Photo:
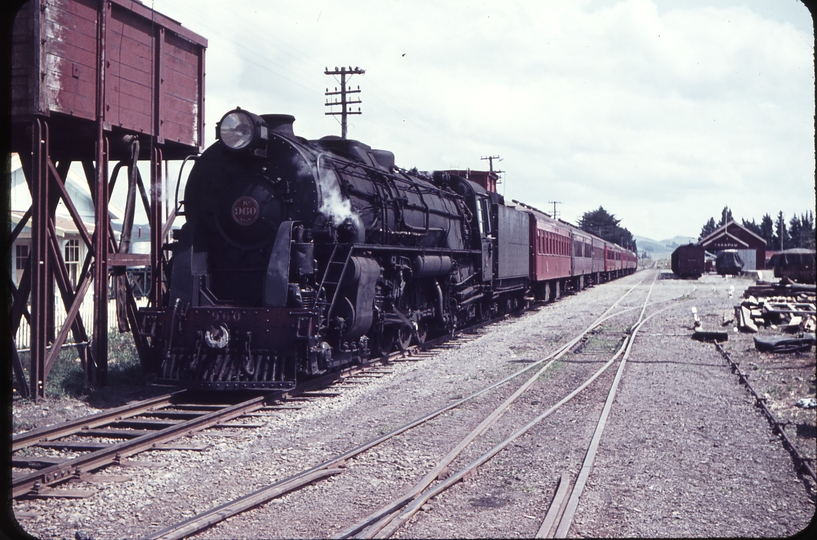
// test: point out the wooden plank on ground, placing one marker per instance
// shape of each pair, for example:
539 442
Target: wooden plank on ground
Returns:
746 318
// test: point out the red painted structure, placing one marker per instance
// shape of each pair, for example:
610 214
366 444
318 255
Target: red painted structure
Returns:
551 248
732 235
487 179
94 81
564 256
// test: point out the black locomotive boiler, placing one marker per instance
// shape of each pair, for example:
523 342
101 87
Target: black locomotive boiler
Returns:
298 256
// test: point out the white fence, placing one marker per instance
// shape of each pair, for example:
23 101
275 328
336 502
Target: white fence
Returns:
86 311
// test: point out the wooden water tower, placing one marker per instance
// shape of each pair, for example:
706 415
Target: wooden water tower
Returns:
97 82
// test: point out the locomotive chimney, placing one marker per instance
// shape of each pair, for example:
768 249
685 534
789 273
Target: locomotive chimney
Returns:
280 124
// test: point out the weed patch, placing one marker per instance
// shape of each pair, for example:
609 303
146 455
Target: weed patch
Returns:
67 379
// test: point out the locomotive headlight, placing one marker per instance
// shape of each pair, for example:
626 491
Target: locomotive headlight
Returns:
240 129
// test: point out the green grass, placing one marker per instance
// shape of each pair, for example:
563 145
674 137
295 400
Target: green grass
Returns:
67 377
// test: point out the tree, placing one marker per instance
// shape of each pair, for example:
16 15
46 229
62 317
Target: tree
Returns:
605 225
801 231
708 228
807 232
767 231
726 216
793 234
752 226
599 222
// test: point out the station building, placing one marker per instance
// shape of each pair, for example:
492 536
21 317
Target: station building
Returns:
732 235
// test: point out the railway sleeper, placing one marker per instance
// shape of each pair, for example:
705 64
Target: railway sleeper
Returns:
44 492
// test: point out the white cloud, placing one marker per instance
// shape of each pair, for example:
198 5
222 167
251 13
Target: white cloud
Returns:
661 112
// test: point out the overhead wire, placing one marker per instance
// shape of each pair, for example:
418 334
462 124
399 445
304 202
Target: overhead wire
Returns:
405 114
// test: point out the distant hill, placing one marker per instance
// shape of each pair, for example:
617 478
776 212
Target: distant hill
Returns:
661 249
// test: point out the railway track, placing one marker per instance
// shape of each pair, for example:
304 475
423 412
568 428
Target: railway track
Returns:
390 517
146 425
443 442
113 436
342 464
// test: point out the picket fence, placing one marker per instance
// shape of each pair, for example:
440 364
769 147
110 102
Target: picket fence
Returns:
86 311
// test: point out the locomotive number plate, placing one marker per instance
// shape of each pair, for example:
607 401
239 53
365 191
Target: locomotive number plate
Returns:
245 210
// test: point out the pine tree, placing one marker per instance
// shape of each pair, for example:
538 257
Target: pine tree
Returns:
752 226
807 233
726 216
801 231
793 234
708 228
767 231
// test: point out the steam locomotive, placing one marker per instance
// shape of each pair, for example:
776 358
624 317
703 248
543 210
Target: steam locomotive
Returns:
300 256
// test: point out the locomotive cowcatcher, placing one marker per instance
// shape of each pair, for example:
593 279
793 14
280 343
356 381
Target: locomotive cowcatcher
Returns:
298 256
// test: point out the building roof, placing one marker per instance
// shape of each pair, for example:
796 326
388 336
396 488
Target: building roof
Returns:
722 231
75 185
63 224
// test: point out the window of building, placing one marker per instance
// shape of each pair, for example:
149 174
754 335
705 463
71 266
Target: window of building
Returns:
21 256
72 251
72 260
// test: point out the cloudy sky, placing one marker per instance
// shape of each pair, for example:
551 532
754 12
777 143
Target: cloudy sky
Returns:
662 112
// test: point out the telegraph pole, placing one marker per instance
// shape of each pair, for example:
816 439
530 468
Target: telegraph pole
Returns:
781 227
491 168
491 162
343 93
554 203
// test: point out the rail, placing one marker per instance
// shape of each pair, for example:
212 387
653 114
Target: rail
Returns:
66 470
210 517
801 462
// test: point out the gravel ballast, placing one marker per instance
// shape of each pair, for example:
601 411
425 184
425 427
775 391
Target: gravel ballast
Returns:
685 452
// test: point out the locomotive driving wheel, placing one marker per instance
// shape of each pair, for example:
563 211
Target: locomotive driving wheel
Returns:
422 332
383 343
394 335
403 337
